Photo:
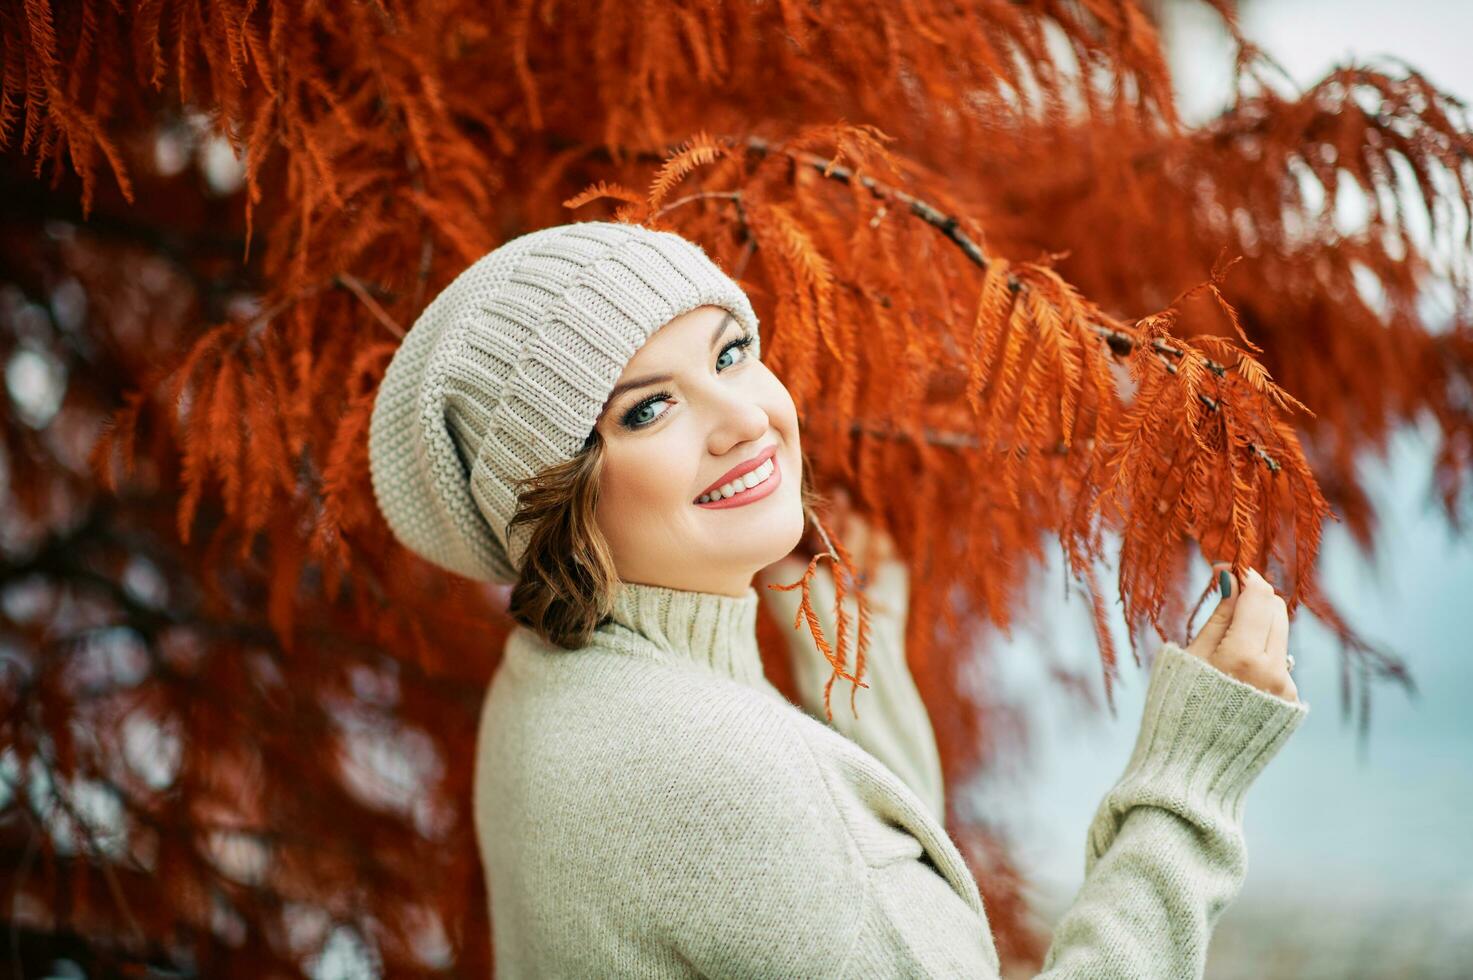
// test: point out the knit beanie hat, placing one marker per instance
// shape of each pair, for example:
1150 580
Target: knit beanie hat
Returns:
507 370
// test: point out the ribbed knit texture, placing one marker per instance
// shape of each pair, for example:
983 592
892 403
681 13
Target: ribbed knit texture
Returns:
650 806
506 371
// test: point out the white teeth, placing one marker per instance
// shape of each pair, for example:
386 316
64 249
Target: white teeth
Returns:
740 484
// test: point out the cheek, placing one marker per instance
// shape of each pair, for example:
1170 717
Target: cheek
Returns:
637 482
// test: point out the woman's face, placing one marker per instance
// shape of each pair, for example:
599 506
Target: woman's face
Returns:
698 405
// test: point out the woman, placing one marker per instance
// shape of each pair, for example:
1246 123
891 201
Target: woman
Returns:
583 414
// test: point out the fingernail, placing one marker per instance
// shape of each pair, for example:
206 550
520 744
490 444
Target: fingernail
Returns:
1225 583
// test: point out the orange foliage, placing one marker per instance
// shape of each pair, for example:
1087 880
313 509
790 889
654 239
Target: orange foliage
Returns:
968 293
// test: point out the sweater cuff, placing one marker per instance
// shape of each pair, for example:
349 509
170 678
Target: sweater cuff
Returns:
1204 737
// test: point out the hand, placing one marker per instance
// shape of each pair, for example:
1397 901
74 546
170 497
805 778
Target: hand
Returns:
1247 636
871 548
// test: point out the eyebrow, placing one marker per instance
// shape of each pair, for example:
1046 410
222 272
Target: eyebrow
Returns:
651 379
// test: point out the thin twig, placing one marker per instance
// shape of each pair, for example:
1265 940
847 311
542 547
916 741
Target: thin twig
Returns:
964 440
727 195
951 440
354 284
427 243
254 326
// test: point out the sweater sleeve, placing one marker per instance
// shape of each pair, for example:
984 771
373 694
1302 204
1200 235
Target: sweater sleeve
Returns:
892 724
1165 851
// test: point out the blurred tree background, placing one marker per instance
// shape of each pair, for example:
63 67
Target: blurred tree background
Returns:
988 252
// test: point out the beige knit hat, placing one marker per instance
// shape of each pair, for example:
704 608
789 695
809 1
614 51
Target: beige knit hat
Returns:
506 371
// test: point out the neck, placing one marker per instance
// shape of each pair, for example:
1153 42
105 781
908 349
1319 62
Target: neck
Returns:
714 631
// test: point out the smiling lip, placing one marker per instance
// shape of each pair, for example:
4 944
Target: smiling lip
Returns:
740 499
740 469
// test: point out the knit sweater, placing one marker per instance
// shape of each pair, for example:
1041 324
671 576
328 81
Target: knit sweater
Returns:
651 806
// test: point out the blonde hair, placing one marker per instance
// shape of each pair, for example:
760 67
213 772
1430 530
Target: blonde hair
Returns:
567 580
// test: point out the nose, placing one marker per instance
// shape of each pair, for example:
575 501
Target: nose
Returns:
736 418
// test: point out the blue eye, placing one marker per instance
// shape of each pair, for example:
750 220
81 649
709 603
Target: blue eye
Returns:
631 418
742 343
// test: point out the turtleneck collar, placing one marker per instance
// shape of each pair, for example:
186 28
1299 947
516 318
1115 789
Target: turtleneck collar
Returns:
714 631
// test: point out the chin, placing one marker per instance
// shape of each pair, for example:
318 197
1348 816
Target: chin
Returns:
776 539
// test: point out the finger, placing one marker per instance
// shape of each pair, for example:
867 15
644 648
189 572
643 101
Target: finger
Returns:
1210 635
876 548
1247 634
840 510
884 544
1290 692
888 592
858 541
1277 646
857 536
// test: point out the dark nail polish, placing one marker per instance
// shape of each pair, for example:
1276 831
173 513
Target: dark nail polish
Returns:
1225 583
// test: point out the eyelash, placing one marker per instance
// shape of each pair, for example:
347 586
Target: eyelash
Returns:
742 342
